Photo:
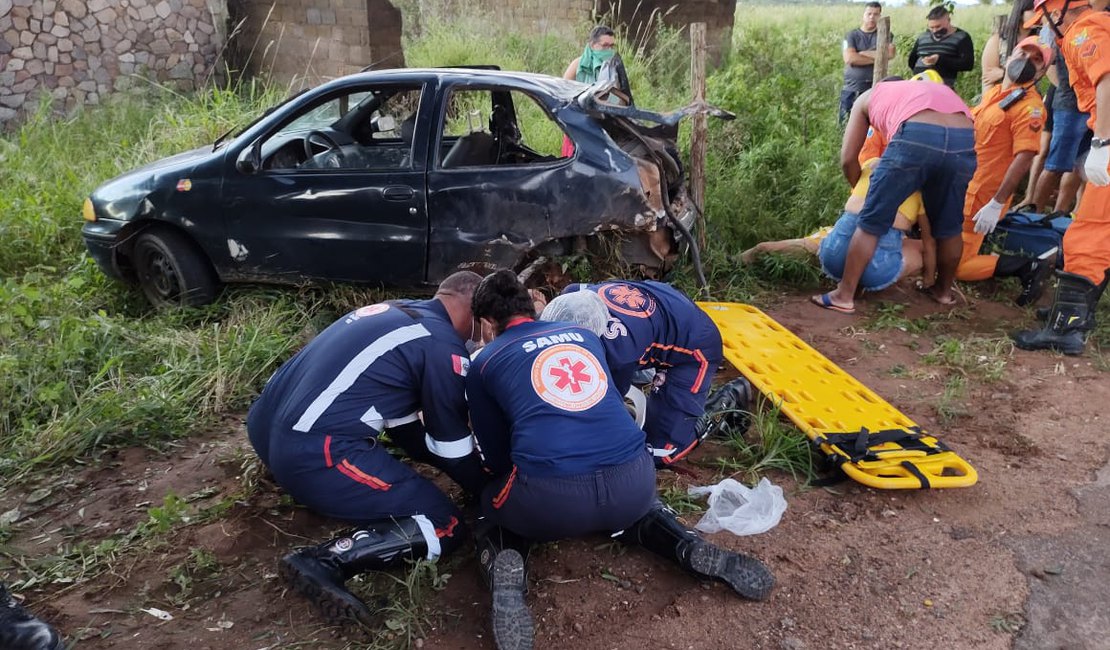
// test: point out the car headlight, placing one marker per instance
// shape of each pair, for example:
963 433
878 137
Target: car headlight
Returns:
87 211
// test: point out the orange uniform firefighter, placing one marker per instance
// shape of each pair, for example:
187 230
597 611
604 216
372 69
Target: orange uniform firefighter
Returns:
1082 28
1008 125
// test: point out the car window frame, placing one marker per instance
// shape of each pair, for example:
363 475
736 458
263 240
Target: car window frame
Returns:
419 85
440 120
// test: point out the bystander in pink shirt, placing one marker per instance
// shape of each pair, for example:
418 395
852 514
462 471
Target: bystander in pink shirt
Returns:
895 102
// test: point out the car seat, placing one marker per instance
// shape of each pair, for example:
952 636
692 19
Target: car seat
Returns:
472 150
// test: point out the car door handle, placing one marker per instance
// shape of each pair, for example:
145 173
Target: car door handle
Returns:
398 193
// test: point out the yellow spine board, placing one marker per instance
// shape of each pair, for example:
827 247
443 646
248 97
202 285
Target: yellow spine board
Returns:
822 399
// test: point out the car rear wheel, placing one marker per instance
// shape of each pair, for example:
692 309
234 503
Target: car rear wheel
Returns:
171 271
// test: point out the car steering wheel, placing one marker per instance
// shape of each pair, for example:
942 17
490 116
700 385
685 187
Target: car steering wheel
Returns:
331 144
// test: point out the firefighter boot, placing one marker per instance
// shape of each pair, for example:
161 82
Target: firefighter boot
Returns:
1043 312
503 567
319 572
1068 322
660 532
728 405
1032 271
19 630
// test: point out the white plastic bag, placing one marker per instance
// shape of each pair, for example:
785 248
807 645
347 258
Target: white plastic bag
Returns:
740 509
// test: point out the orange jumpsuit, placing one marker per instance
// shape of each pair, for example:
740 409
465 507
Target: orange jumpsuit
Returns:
1000 135
1086 49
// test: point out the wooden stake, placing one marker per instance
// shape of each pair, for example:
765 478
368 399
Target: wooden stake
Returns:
698 136
882 51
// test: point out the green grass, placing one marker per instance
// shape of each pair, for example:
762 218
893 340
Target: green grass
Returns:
84 365
770 444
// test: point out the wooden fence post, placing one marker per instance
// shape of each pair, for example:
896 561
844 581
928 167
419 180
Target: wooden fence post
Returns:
698 136
882 51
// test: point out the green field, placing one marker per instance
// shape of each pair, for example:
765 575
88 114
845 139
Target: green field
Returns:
85 364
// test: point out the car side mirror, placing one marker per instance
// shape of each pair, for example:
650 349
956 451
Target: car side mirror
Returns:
250 161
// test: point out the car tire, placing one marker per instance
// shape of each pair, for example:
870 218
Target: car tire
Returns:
171 271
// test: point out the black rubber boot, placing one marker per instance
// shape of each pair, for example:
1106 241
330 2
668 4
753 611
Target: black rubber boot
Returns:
1068 322
1032 271
728 405
319 573
662 533
1043 312
502 556
19 630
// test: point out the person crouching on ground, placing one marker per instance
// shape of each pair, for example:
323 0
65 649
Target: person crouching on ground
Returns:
932 149
569 461
1008 125
317 426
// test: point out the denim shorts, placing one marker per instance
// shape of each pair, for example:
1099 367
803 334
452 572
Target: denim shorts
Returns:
883 269
937 160
1070 140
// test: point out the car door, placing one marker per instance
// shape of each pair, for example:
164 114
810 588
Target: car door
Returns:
336 190
498 177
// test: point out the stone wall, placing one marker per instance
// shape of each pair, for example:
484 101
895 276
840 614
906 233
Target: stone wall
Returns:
304 42
78 51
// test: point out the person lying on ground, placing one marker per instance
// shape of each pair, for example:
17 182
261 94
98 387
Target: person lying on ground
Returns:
569 462
1008 125
897 256
932 150
317 426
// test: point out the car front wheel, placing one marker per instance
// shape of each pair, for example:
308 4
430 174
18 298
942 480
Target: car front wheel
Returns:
171 271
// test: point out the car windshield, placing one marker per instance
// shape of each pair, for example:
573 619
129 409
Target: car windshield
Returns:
220 141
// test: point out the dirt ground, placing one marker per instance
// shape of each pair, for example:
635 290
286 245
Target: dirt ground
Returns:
1020 560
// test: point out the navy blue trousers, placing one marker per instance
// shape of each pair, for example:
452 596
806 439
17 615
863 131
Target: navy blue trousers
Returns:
545 508
355 480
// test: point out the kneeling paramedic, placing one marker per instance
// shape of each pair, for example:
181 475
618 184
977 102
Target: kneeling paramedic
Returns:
569 461
652 325
317 423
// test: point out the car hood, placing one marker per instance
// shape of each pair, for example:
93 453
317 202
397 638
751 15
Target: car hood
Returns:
122 197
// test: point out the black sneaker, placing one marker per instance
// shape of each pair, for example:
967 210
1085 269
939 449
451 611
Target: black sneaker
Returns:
19 630
323 585
746 575
512 622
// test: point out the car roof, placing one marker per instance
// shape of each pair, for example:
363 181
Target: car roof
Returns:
547 84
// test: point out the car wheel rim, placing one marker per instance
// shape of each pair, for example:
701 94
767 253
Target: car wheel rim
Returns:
161 276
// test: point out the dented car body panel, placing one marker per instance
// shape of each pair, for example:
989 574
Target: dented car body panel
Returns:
327 186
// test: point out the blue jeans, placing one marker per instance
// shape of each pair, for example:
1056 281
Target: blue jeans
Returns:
937 160
885 266
1070 140
847 98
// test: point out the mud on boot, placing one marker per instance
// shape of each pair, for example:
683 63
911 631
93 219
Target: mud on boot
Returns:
324 586
20 630
746 575
512 621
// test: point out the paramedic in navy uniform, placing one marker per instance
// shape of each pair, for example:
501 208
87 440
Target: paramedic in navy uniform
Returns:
569 460
653 325
316 427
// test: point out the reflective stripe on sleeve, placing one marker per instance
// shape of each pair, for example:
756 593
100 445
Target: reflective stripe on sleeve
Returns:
350 373
451 448
428 531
